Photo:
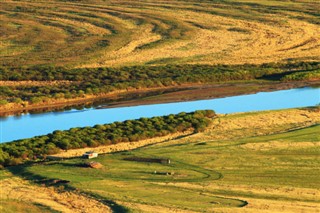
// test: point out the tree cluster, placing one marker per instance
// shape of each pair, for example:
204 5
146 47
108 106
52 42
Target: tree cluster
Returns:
31 149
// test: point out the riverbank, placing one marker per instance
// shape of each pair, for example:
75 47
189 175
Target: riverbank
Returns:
133 97
224 126
45 123
205 92
227 147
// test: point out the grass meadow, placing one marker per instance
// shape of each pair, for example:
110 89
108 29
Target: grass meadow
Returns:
243 172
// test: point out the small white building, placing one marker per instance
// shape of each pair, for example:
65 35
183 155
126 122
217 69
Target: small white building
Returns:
90 155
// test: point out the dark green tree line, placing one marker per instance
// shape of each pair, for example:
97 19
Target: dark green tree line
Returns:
30 149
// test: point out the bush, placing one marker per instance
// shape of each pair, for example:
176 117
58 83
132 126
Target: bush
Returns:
3 102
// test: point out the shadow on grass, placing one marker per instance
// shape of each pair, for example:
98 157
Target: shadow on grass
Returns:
280 76
22 172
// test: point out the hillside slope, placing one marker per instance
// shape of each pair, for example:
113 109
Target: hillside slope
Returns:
112 33
246 162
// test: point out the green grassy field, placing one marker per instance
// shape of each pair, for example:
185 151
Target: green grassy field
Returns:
225 175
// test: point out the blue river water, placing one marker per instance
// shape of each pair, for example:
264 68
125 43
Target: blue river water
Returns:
29 125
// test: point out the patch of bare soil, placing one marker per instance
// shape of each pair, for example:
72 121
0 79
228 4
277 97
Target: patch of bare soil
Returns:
68 202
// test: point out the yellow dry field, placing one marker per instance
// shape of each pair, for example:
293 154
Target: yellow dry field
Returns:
244 125
18 190
119 147
116 33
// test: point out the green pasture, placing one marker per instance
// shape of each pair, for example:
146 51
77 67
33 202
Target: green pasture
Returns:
279 160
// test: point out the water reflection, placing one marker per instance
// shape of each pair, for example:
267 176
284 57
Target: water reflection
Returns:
29 125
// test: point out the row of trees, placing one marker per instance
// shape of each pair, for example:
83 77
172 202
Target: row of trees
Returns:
137 73
17 152
105 80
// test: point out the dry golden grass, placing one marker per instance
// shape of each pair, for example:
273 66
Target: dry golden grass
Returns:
116 33
274 145
263 43
243 125
33 83
19 190
119 147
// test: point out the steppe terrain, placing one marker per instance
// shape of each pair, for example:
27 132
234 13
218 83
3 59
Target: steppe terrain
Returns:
59 54
244 162
116 33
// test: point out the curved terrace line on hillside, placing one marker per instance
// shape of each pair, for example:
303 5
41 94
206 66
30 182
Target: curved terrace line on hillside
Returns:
117 33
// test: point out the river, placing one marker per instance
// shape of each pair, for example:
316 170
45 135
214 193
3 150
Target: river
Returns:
29 125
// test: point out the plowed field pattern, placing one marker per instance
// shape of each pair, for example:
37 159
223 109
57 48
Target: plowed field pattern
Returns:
123 32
